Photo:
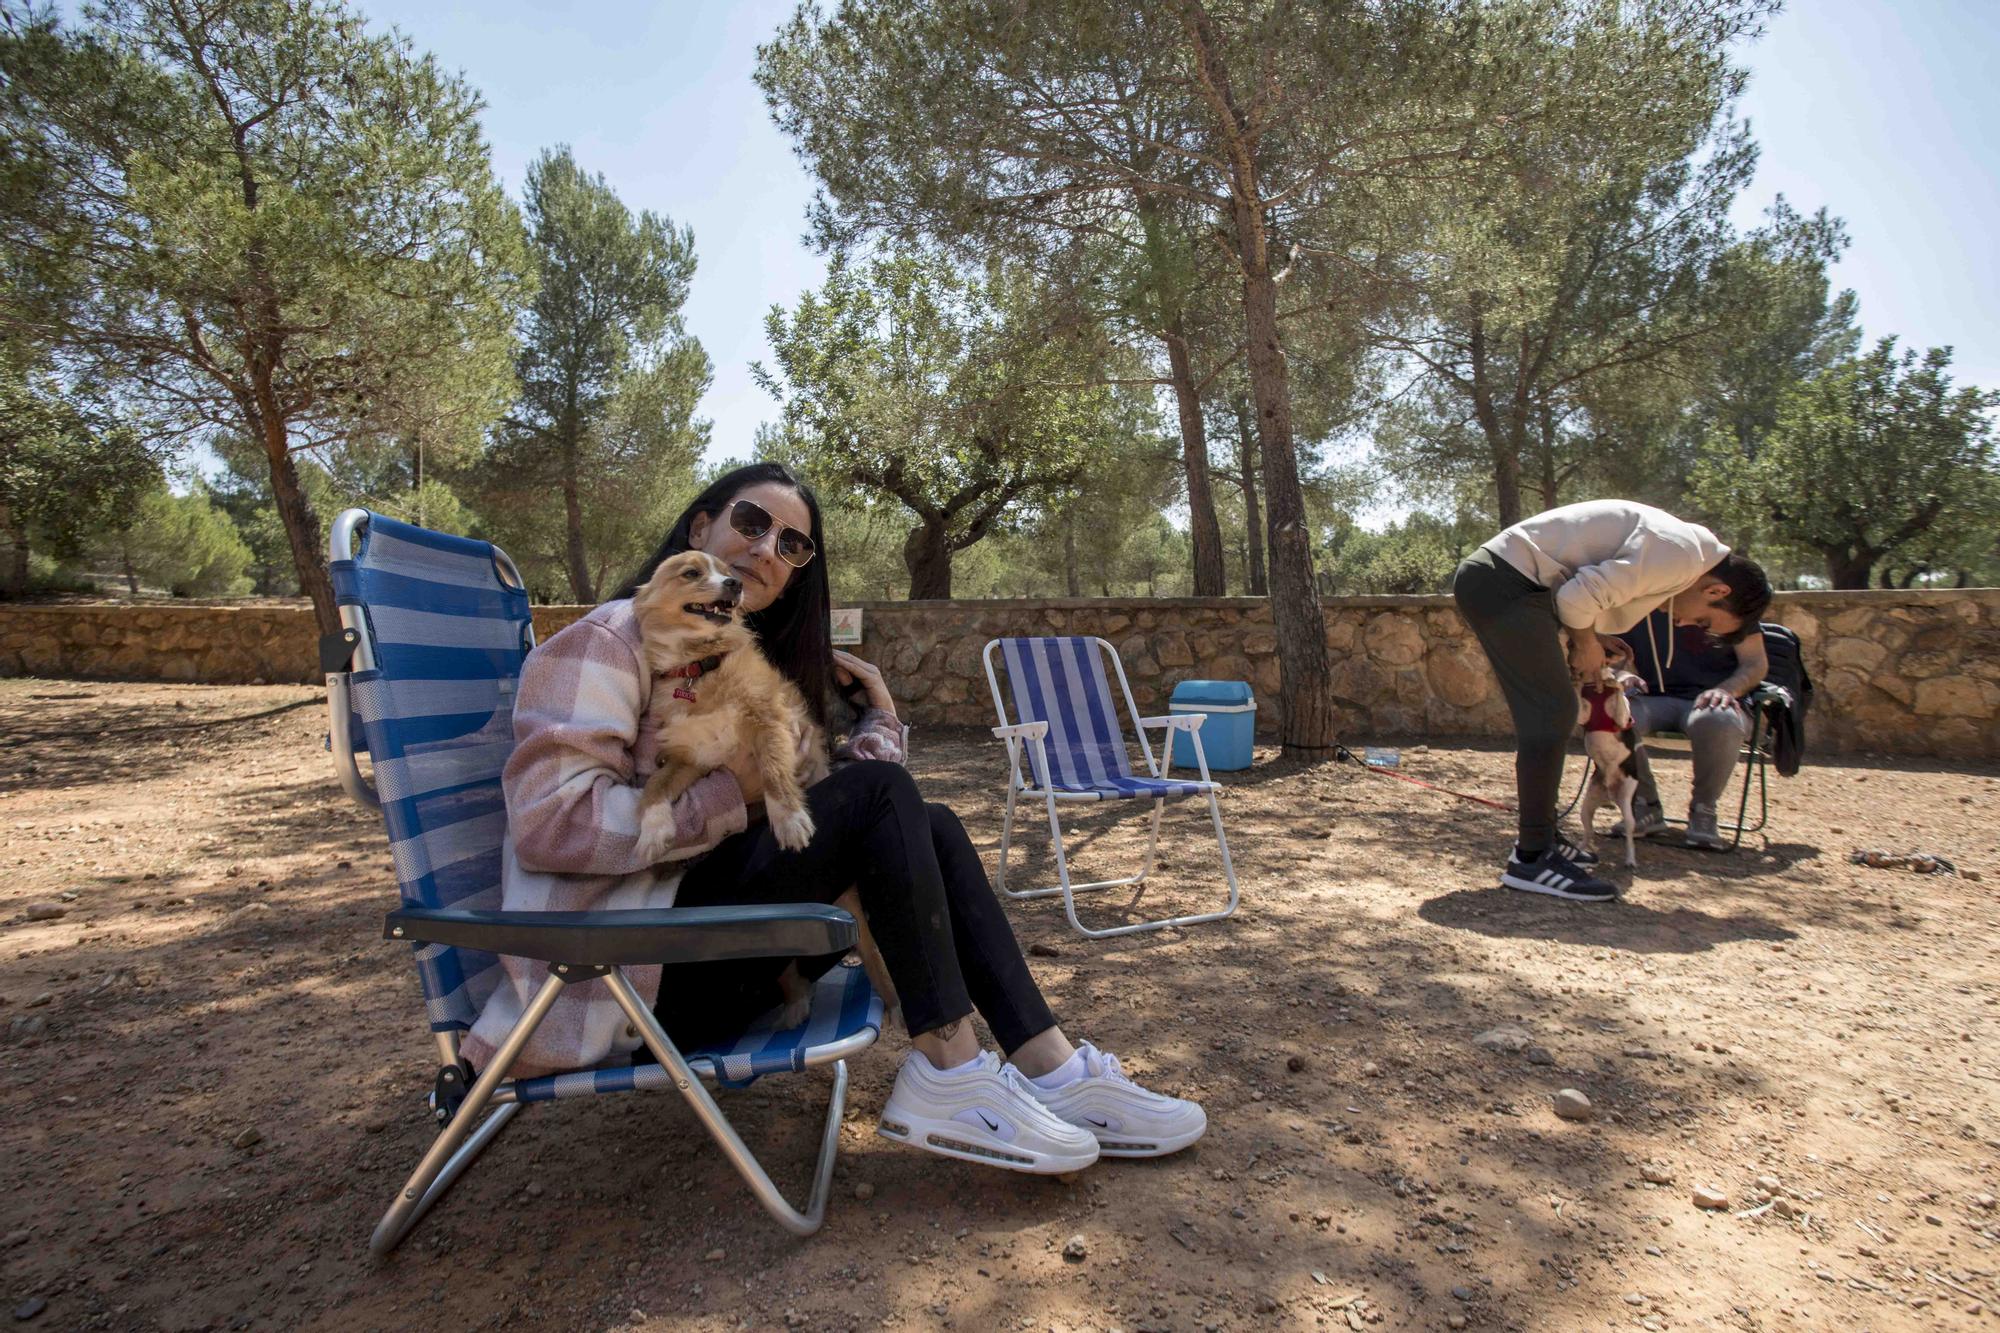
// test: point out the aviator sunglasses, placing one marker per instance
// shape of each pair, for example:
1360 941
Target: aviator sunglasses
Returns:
753 521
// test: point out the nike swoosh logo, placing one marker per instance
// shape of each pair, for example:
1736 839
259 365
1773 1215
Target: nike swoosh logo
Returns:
990 1124
1101 1124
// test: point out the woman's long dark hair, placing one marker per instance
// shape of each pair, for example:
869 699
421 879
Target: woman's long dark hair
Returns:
795 630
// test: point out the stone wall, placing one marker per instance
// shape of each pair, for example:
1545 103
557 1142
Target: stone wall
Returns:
1913 673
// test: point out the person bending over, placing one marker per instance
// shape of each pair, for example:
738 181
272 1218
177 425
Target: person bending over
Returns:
1585 570
1693 683
576 840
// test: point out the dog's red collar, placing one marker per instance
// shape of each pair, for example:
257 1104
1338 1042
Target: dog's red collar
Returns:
1599 699
692 671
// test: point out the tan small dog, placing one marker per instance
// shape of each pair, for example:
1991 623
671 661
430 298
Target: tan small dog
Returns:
687 617
723 695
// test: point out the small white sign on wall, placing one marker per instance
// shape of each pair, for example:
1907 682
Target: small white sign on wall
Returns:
847 626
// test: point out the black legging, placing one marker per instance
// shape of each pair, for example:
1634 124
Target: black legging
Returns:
1515 621
941 931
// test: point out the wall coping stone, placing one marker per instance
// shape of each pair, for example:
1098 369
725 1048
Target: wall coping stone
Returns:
1909 671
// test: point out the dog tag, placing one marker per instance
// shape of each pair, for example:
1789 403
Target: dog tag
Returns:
683 692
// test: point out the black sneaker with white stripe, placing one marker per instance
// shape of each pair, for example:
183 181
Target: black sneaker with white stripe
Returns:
1557 875
1574 852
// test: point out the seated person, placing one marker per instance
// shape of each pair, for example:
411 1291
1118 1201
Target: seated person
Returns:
1686 680
576 839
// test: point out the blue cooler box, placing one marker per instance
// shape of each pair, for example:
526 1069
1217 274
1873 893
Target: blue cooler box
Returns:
1231 729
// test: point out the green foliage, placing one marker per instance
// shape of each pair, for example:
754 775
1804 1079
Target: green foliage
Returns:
964 398
182 543
1876 458
243 491
260 218
600 449
66 470
1417 555
1583 270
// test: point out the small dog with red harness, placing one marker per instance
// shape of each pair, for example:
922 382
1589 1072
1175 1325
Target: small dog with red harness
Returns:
1612 745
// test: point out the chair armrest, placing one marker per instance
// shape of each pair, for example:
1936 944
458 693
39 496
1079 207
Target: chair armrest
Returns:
1178 721
636 935
1033 731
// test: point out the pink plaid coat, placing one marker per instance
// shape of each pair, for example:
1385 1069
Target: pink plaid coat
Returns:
582 753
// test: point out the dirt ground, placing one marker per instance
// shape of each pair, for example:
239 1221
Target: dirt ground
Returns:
213 1073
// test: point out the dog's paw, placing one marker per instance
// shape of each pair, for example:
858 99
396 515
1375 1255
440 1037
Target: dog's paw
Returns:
656 829
795 1012
792 828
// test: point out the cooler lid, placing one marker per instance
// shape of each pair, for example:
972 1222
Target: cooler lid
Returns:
1217 692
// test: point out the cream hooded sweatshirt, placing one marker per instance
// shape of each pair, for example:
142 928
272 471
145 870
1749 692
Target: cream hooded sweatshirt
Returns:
1611 562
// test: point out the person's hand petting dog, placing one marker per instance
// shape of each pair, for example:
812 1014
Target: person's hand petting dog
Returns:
1618 660
848 669
1586 654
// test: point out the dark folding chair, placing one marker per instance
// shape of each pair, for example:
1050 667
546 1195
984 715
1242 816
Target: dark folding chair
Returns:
422 678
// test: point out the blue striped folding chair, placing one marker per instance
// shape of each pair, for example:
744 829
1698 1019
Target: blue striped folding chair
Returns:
422 679
1066 724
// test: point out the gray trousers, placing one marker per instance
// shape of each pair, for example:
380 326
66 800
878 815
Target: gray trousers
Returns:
1717 735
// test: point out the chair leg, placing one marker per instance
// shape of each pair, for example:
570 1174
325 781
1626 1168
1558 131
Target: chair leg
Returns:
467 1134
1152 838
406 1215
799 1223
1062 865
1006 836
1755 761
1068 890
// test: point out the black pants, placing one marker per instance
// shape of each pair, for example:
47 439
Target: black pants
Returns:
1515 620
934 917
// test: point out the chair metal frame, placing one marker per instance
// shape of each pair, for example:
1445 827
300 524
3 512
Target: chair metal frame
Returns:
469 1126
1756 749
1030 737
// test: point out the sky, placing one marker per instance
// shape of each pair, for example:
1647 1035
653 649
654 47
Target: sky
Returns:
1884 113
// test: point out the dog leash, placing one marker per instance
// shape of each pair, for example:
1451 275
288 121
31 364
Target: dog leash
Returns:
1342 752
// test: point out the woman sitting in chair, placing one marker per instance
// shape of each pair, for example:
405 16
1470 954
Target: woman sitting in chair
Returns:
905 866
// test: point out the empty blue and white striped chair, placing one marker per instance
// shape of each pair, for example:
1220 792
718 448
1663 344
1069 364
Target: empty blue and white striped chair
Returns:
1066 724
422 677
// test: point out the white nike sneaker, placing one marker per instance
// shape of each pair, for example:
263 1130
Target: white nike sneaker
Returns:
1128 1120
983 1112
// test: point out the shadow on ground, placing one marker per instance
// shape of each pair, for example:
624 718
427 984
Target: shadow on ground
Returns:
228 1082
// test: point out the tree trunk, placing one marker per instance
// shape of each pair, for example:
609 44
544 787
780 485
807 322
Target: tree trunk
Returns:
1503 443
125 563
15 582
575 559
1846 570
1309 728
301 525
1202 524
1246 459
927 555
1072 577
1548 461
